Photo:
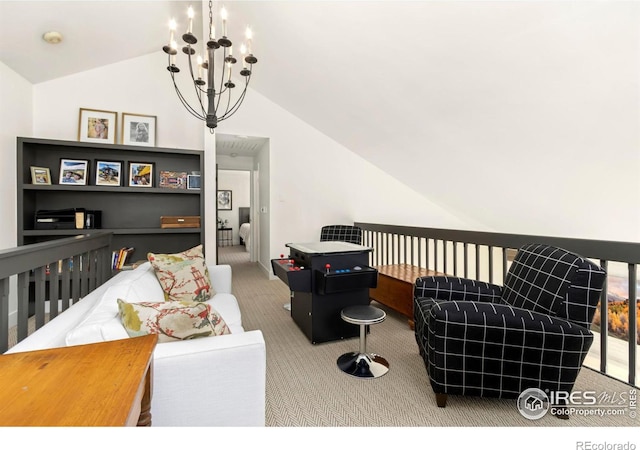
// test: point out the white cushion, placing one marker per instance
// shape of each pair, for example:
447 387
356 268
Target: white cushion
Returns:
89 330
136 285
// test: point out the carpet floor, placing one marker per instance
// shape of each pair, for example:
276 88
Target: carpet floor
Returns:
305 388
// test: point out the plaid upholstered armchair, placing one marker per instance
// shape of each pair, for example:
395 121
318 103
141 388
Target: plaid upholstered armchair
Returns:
345 233
483 339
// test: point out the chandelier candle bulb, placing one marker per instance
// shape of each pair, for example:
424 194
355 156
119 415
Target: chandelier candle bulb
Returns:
190 15
243 51
223 16
199 66
174 47
249 36
172 29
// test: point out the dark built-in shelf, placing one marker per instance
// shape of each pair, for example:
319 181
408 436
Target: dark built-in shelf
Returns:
131 231
111 189
132 214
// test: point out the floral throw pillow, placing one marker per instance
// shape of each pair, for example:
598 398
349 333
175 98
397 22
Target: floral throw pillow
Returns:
171 321
183 276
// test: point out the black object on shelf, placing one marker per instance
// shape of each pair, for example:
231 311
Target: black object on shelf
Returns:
67 219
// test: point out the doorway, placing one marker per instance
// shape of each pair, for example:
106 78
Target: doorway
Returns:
234 216
242 168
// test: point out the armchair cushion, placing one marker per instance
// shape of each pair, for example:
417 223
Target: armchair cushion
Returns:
453 288
498 350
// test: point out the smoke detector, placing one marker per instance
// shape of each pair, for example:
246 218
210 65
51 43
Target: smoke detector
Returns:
52 37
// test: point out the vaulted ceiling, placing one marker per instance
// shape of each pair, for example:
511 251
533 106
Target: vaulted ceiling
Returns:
450 97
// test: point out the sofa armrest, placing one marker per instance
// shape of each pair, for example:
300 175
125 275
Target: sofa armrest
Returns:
220 276
454 288
214 381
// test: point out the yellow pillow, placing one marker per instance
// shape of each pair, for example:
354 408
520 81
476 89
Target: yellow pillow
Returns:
183 276
171 321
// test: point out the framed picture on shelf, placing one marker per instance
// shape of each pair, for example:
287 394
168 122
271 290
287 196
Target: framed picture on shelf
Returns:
108 173
40 175
96 125
138 129
74 171
224 200
171 179
141 174
193 182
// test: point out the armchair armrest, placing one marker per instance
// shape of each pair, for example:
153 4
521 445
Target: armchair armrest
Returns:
220 275
454 288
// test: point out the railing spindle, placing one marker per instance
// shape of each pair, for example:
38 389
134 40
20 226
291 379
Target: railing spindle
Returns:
490 264
604 320
466 260
633 325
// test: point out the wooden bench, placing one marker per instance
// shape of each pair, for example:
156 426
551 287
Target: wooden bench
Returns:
395 287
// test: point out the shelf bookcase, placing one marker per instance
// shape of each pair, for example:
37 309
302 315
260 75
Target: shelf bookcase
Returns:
131 213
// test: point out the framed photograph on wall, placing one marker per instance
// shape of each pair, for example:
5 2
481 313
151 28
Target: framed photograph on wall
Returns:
141 174
97 125
138 129
108 173
40 175
74 171
224 200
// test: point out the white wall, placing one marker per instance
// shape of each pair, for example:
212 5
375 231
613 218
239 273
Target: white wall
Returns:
139 85
16 111
239 183
314 181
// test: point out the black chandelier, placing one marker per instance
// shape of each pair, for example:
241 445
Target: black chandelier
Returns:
217 109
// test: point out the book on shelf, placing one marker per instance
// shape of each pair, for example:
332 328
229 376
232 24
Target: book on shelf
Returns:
119 257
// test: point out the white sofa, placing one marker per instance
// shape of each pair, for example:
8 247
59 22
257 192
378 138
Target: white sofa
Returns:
212 381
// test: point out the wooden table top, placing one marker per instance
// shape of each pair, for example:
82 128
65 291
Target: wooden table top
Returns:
84 385
406 272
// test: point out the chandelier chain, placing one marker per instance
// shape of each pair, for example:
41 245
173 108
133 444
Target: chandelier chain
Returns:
210 17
